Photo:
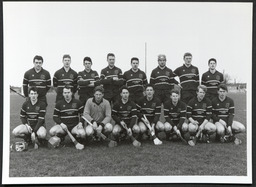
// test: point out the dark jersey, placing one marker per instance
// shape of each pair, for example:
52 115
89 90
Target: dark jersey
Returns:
151 109
135 81
41 80
111 87
163 79
175 115
125 112
33 115
68 113
224 110
199 111
62 78
212 81
189 77
84 79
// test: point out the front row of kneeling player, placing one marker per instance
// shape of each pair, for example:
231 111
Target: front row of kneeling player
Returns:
196 121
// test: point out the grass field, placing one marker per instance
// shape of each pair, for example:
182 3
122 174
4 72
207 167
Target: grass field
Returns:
171 158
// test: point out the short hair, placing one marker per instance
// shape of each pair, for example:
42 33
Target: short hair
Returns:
98 88
123 88
161 56
149 85
66 56
187 54
223 86
87 59
175 91
110 54
37 57
212 59
67 87
203 87
134 58
33 88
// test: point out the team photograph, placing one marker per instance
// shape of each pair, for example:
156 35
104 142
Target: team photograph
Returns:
93 97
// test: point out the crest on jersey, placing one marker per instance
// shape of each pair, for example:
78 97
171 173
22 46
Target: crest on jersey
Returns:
62 75
178 110
71 76
193 70
42 76
116 72
218 77
129 107
37 108
33 75
93 75
74 105
227 105
153 105
140 75
167 73
204 105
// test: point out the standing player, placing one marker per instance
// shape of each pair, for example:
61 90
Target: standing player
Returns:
163 79
199 111
111 78
87 81
98 111
223 114
124 113
64 76
32 116
66 115
189 78
38 77
150 106
135 80
175 114
211 79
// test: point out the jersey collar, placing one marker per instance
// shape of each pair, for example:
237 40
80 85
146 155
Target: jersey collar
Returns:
93 100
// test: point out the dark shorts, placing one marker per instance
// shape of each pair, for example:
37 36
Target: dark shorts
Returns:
163 95
84 97
187 95
44 100
135 97
211 96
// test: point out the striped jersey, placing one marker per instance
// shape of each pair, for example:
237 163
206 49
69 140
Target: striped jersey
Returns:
199 111
224 110
62 78
175 115
212 81
33 115
151 109
83 80
99 112
189 77
41 80
126 112
135 81
163 79
68 113
106 78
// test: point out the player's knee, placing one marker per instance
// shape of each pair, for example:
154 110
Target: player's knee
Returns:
15 132
41 133
89 131
143 127
210 128
192 128
136 129
160 126
220 130
167 127
184 127
53 131
238 127
108 127
116 130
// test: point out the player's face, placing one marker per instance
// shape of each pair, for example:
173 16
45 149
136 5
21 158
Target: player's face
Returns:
33 95
67 94
188 60
87 65
98 96
175 97
149 92
111 61
222 93
66 62
200 93
38 64
162 62
135 64
212 65
125 94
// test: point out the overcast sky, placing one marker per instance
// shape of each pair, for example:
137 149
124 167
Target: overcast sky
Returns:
51 29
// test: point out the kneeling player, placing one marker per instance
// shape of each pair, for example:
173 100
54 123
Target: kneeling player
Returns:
199 111
98 111
32 116
124 113
66 115
150 108
223 113
175 114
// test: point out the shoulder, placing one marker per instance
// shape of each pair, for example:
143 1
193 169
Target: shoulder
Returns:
104 69
208 101
73 71
192 101
182 104
230 99
215 100
106 102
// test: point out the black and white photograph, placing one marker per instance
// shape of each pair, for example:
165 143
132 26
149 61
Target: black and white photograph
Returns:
127 92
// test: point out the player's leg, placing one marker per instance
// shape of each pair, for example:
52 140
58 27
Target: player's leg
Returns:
117 129
41 132
237 127
209 129
168 129
89 131
192 129
220 131
21 131
160 130
143 130
57 130
135 131
108 128
78 132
